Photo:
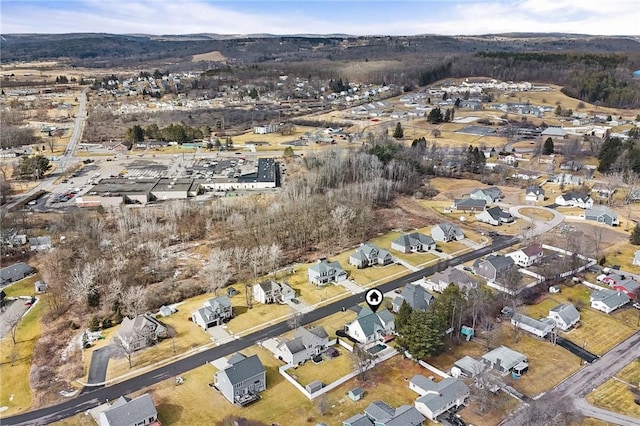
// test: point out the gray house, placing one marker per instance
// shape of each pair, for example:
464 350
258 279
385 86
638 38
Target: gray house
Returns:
40 243
415 295
413 243
607 300
493 266
139 411
534 193
381 414
437 398
602 214
446 232
443 279
271 291
539 328
215 312
16 272
242 380
494 216
306 344
369 255
491 194
140 332
506 360
469 204
324 272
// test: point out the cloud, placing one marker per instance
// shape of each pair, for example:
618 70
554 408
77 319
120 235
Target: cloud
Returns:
299 17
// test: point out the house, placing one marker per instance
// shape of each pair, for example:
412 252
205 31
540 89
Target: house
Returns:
602 214
40 286
575 199
565 316
436 398
16 272
40 243
565 179
413 243
443 279
525 175
527 256
493 266
534 193
324 272
469 205
214 312
508 158
491 194
140 332
623 283
378 413
506 360
539 328
356 394
306 344
495 216
636 258
467 366
607 300
271 291
446 232
139 411
415 296
554 132
166 311
368 255
242 380
370 326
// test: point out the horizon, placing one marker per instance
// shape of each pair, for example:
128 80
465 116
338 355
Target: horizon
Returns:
304 18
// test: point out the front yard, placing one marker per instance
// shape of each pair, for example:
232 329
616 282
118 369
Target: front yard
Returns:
328 371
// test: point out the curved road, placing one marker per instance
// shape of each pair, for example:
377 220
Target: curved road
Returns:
539 226
96 396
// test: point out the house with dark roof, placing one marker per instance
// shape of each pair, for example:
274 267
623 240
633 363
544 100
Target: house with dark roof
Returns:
125 411
16 272
495 216
602 214
140 332
416 297
437 398
413 243
469 204
271 291
306 344
324 272
491 194
369 255
506 360
446 232
379 413
493 266
215 312
370 326
450 276
575 199
527 256
533 193
607 300
242 380
540 328
565 316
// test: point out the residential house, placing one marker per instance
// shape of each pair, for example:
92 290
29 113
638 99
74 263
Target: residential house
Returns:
602 214
527 256
533 194
16 272
539 328
495 216
140 332
446 232
324 272
491 194
571 165
527 175
437 398
506 360
493 266
242 380
607 300
623 283
138 411
370 326
271 291
575 199
508 158
450 276
554 132
306 344
636 258
467 366
368 255
166 311
469 205
413 243
378 413
215 312
565 316
565 179
415 295
40 243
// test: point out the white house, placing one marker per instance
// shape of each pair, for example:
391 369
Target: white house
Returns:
446 232
324 272
607 300
369 255
306 344
271 291
539 328
413 243
437 398
495 216
370 326
575 199
533 194
565 315
527 256
636 258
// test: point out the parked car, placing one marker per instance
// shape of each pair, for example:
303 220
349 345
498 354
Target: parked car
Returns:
636 305
295 301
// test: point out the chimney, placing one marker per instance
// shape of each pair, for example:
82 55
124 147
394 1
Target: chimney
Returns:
498 364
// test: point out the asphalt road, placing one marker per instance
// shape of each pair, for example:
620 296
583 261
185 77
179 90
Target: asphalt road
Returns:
96 396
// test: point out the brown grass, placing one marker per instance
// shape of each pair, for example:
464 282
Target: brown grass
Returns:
615 396
537 214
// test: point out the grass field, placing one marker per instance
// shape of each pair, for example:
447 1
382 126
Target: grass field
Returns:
371 274
630 373
310 294
537 214
615 396
328 371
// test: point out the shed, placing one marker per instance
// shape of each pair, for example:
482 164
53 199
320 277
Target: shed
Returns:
40 286
314 386
356 394
165 311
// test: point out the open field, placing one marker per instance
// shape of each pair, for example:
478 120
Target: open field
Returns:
214 56
537 214
615 396
622 254
630 373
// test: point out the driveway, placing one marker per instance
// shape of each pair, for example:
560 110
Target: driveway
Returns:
219 334
351 286
99 363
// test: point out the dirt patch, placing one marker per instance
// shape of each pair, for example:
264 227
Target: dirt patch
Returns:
610 236
214 56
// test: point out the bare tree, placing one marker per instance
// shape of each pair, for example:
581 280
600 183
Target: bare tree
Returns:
12 320
126 346
295 320
362 361
275 257
342 216
134 300
239 259
82 282
482 390
322 404
218 270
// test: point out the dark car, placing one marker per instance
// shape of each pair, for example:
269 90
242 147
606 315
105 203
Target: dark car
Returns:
295 301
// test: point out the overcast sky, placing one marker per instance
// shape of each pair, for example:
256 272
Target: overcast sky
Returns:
370 17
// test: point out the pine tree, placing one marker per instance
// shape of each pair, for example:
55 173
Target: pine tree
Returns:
404 314
423 335
548 147
635 236
398 133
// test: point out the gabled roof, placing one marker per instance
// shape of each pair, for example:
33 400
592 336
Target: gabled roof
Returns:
449 228
598 211
243 369
554 131
508 357
492 191
379 410
439 395
137 325
544 325
414 238
358 420
218 302
469 202
324 266
269 286
417 297
610 298
500 262
125 412
532 250
452 275
294 345
371 322
534 189
494 212
469 364
16 271
567 312
574 195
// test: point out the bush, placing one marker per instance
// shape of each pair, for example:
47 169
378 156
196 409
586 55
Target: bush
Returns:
72 325
94 323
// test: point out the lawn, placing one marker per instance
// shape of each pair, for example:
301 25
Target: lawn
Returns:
24 287
630 373
537 214
366 276
328 371
615 396
622 254
309 293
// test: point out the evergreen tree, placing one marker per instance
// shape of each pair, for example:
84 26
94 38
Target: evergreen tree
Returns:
404 314
420 143
423 335
435 116
548 147
447 115
398 133
134 134
635 236
609 152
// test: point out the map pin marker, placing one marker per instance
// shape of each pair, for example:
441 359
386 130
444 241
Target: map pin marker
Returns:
374 299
